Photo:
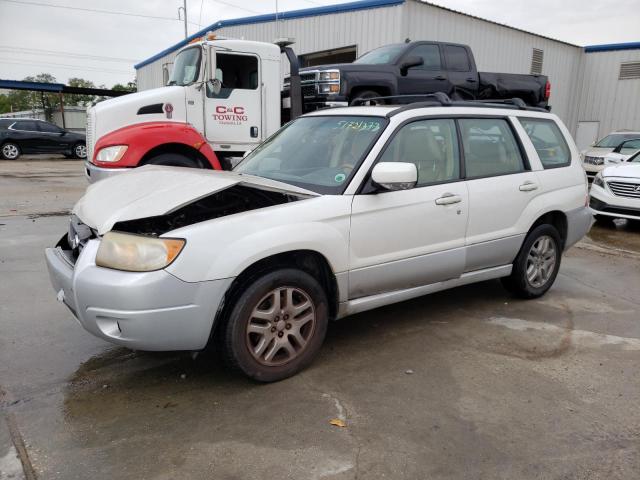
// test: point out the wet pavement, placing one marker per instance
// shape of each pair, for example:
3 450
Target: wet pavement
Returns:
468 383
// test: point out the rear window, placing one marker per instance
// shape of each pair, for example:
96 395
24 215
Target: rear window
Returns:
548 141
457 58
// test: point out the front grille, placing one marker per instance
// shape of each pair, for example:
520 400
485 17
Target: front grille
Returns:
308 90
78 235
625 189
308 77
89 135
594 160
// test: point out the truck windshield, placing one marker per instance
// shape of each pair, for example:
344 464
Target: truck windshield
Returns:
615 139
382 55
319 153
186 67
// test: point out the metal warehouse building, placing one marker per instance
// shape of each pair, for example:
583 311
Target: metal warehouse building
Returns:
594 89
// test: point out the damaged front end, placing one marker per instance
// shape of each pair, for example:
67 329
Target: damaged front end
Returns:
233 200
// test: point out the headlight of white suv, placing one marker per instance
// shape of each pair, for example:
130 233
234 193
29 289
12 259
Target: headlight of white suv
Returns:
111 154
598 180
137 253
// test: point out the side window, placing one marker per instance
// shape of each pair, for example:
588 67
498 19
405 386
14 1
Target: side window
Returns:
48 128
26 126
457 58
430 55
490 147
236 72
431 145
548 142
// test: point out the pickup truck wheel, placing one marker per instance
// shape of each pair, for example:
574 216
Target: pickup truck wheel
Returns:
361 96
10 151
276 326
174 160
537 264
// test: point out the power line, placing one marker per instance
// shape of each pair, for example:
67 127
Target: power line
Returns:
64 65
236 6
93 10
36 51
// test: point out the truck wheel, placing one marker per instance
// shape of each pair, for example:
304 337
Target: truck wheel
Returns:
276 326
80 150
10 151
536 266
360 98
174 160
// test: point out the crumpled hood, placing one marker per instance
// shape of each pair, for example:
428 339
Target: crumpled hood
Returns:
629 170
154 190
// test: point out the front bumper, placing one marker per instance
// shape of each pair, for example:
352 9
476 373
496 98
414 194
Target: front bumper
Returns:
95 173
152 311
603 202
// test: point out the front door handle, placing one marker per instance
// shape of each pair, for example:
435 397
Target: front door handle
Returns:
471 80
528 186
441 77
448 199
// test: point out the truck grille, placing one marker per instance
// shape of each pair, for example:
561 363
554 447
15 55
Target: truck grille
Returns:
308 77
594 160
308 90
625 189
89 135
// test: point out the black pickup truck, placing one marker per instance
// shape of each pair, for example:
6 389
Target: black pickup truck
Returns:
415 68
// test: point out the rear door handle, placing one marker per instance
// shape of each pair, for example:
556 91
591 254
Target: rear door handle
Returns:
448 199
441 77
471 80
528 186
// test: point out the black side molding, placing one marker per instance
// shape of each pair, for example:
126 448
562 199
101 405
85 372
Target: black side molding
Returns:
155 108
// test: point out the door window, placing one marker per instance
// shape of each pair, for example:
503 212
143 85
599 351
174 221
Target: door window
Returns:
490 147
235 72
26 126
548 141
48 128
430 55
431 145
457 58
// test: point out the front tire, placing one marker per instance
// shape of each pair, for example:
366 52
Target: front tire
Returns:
174 160
361 97
537 264
10 151
276 326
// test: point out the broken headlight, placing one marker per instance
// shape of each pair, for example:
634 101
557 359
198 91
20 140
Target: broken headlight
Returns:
137 253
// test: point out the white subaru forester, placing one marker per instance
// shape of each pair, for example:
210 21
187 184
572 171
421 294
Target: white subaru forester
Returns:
341 211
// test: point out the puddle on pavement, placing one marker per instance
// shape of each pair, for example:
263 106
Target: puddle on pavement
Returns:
620 233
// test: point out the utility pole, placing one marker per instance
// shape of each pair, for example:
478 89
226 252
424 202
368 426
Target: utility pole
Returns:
184 14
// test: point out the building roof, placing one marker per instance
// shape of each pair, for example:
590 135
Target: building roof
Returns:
610 47
314 12
58 88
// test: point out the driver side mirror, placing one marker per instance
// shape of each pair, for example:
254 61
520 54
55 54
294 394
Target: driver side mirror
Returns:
412 61
395 175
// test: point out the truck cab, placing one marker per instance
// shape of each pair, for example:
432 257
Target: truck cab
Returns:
222 99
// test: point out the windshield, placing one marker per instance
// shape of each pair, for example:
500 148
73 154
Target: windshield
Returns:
381 55
186 67
317 153
615 139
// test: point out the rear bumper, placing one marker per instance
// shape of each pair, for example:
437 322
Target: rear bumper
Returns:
579 222
95 173
144 311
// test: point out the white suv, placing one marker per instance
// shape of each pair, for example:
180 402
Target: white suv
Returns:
341 211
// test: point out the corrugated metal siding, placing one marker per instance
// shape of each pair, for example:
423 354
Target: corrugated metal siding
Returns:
604 97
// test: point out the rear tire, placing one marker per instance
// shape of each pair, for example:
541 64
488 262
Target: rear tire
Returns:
174 160
537 264
276 326
365 95
10 151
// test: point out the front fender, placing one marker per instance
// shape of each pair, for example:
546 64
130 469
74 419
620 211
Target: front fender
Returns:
143 137
371 80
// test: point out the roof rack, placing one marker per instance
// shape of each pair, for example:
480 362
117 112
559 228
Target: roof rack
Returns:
440 99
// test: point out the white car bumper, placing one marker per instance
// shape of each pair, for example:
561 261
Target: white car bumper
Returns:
143 311
623 203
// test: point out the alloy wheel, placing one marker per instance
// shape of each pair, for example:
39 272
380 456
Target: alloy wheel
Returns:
10 151
280 326
81 151
541 261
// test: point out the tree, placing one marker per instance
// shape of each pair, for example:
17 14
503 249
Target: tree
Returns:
80 99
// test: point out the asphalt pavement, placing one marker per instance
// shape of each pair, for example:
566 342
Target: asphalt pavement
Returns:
468 383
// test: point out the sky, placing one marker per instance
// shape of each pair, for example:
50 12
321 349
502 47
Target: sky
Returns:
69 41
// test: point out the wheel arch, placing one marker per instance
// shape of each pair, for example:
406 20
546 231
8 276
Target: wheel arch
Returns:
309 261
179 149
557 219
